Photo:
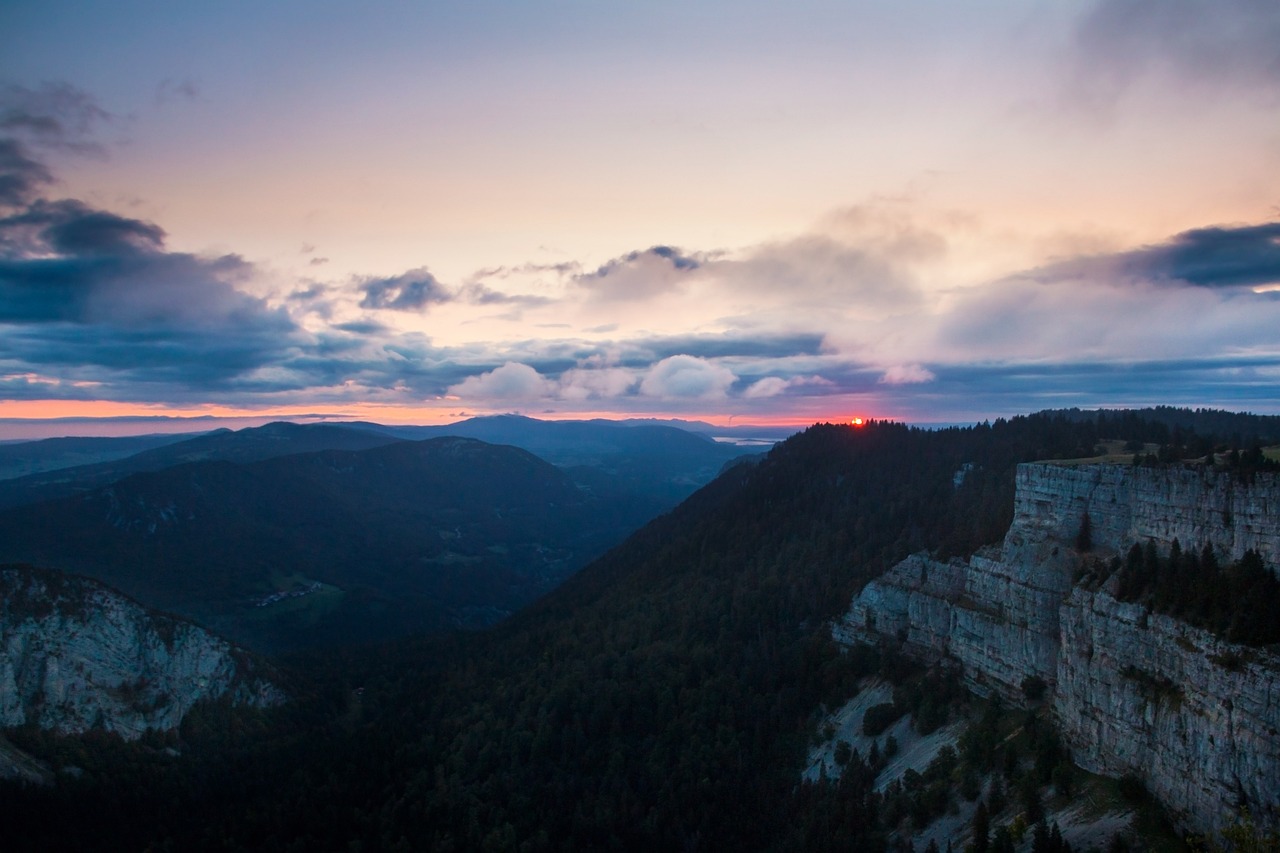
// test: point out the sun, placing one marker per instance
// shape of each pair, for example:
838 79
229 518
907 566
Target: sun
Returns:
857 422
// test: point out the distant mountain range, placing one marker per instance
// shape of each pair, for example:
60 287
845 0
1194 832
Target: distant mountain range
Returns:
660 461
20 458
289 535
246 445
336 544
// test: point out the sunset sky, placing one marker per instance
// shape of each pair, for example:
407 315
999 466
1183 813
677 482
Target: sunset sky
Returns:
415 212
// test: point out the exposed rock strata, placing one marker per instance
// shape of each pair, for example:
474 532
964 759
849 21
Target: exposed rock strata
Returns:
1128 504
1134 692
76 655
1197 718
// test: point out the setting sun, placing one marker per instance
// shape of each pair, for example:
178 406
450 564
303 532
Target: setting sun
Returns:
856 422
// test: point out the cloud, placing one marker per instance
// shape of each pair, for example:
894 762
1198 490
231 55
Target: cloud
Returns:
906 374
762 345
1219 46
1219 256
512 381
92 301
687 376
71 228
639 275
480 294
770 386
598 383
21 177
55 116
410 291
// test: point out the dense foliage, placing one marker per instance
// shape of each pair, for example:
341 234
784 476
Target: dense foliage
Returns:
335 545
1238 602
1179 426
661 699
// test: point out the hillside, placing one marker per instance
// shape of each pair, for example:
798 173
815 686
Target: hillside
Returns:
654 461
314 548
665 697
1134 691
20 458
246 445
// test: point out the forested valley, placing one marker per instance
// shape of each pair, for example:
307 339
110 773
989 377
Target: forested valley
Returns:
662 699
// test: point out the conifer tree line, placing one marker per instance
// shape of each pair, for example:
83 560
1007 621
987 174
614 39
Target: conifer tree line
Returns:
664 698
1238 601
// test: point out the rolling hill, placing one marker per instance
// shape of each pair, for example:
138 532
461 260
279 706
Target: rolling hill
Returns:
334 545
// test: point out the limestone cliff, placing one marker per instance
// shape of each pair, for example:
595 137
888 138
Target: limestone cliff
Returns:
75 655
1128 504
1134 692
1197 718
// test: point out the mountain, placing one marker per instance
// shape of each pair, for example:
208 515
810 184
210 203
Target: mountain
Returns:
247 445
655 462
657 465
667 696
79 656
314 548
1134 691
20 458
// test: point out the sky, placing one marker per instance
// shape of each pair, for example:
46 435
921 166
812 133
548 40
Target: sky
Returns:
744 212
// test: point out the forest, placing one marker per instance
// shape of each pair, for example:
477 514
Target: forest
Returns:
660 699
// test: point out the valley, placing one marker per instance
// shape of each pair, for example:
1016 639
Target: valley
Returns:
707 683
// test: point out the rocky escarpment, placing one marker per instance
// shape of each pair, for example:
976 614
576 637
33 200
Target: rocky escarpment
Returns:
1197 718
1127 504
1134 692
75 655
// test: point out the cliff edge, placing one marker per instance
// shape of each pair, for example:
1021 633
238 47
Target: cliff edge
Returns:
76 655
1134 692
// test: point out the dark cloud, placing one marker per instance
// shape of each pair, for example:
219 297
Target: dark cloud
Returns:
640 274
55 116
674 257
21 176
416 289
1233 382
411 291
362 327
1213 44
1220 256
69 227
763 346
92 300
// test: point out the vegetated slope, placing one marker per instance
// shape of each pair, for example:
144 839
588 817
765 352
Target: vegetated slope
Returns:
654 462
19 458
247 445
660 699
1181 426
330 546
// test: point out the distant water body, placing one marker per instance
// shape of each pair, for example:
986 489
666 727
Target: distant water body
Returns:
745 441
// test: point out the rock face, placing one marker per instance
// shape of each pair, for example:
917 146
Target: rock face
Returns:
1197 718
1127 504
75 655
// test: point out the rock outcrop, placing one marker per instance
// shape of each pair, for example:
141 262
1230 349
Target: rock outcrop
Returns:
1134 692
1196 718
1127 504
75 655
